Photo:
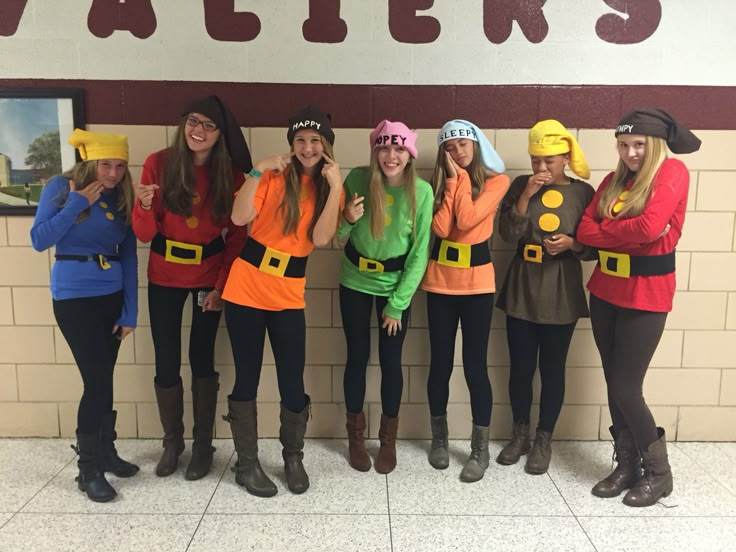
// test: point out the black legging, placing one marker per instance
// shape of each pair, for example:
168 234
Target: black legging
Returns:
287 333
86 324
551 342
355 308
626 340
165 306
474 312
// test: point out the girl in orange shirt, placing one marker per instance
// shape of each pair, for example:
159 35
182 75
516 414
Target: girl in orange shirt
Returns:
293 202
460 282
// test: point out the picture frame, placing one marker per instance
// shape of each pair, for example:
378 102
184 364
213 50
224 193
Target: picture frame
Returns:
34 126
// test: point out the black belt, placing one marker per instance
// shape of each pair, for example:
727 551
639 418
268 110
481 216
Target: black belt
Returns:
394 264
98 258
460 255
625 266
273 261
186 253
535 253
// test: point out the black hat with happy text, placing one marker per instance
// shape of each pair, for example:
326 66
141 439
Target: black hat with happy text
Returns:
311 118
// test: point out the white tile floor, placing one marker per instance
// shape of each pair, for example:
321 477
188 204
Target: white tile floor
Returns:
416 508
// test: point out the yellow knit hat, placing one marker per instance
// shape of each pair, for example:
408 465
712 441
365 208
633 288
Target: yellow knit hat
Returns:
96 145
551 138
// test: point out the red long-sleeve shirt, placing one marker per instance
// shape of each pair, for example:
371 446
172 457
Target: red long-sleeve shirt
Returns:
200 228
640 235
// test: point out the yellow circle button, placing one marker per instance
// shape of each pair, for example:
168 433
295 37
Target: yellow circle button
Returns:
623 195
103 204
552 199
192 222
549 222
195 198
617 207
110 216
389 200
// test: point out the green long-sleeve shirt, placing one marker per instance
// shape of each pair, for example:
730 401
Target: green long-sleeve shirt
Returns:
400 235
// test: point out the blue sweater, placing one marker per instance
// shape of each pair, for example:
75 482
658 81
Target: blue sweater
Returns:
55 224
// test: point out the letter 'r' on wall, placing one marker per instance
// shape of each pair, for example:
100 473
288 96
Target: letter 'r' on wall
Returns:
499 17
408 27
223 23
643 21
324 24
107 16
11 12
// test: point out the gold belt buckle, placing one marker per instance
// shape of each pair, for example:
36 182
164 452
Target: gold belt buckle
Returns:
533 253
463 254
275 270
103 262
369 265
170 257
622 263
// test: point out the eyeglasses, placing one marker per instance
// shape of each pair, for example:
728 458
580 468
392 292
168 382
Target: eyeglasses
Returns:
193 122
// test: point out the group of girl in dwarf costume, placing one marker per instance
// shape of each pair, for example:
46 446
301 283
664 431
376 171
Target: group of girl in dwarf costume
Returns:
196 197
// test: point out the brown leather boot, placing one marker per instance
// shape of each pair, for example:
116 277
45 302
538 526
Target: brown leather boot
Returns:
359 458
204 397
386 460
518 445
657 479
628 469
243 419
171 411
291 435
539 458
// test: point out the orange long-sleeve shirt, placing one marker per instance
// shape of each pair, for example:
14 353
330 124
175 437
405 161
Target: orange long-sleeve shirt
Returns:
463 219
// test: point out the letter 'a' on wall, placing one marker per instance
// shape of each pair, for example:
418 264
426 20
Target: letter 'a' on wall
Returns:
374 42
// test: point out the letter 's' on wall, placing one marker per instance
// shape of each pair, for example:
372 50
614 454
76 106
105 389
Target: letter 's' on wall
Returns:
643 20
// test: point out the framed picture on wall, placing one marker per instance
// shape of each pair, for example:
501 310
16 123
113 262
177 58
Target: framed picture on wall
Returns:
34 126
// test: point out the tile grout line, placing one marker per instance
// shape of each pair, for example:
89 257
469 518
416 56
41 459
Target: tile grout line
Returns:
575 517
20 510
199 523
707 472
388 508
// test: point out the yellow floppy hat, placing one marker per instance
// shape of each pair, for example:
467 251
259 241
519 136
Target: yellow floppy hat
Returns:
551 138
96 145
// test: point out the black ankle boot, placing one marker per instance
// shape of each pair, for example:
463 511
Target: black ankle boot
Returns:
109 459
91 479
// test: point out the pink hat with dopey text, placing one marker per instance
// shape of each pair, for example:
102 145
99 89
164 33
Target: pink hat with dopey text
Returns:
394 133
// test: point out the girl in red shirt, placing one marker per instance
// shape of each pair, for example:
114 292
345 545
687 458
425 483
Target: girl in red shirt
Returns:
635 220
293 202
184 202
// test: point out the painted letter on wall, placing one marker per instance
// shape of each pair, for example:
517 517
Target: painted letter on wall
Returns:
408 27
643 20
225 24
107 16
324 24
499 17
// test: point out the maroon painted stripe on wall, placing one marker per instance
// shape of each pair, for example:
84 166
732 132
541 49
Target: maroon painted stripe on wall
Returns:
421 106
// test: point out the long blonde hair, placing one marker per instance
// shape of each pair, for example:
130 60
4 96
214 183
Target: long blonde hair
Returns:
292 191
655 153
84 173
476 171
377 181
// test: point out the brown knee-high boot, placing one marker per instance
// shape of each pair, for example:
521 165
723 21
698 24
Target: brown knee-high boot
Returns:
355 425
657 479
204 397
386 460
291 435
171 411
628 469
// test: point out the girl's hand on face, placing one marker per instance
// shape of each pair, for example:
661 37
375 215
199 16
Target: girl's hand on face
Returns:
145 194
354 209
331 172
91 193
392 325
558 243
276 164
535 182
450 166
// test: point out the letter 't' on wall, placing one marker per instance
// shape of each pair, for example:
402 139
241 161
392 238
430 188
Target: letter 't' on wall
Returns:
408 27
107 16
324 24
223 23
499 17
11 12
643 21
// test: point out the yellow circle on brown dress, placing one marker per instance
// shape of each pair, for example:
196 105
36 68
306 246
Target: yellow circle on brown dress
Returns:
549 222
552 199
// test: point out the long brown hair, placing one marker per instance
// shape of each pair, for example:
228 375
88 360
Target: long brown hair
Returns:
377 181
292 191
655 153
84 173
180 179
476 171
